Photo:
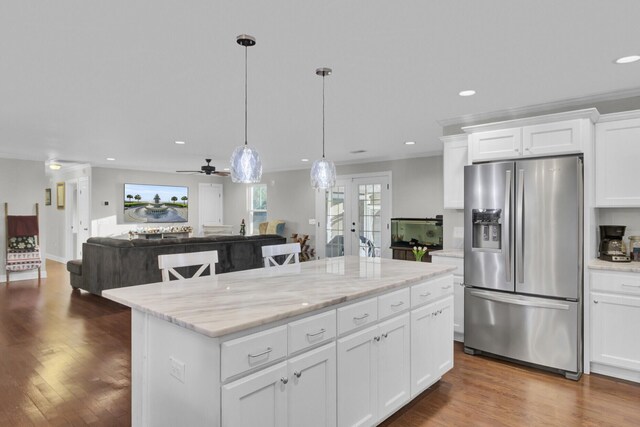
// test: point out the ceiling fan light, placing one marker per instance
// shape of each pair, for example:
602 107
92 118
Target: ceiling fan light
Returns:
246 166
323 174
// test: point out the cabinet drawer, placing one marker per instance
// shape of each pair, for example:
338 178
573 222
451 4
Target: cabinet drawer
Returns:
628 283
445 260
243 354
356 315
311 331
393 303
431 290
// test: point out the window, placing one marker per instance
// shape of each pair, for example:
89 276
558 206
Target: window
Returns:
257 197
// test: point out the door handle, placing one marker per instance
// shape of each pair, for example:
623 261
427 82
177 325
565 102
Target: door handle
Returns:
507 220
353 230
519 301
520 252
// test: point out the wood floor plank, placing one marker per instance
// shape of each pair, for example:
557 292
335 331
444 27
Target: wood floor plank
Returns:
65 359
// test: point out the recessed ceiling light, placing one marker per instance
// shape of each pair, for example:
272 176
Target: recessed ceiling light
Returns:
111 159
469 92
180 142
304 160
410 143
628 59
54 166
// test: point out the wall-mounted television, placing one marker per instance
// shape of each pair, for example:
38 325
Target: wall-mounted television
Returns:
145 203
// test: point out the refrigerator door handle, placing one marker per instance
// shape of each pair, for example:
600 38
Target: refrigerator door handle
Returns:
507 220
520 224
492 296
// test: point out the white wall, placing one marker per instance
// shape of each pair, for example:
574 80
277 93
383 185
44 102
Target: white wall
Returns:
416 192
107 185
22 186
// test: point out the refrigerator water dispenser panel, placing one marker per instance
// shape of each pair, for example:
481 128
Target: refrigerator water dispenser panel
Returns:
487 229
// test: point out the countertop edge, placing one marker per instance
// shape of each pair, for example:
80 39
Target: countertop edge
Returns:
624 267
220 332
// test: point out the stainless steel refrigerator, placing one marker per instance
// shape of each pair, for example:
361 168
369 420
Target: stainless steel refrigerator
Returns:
523 261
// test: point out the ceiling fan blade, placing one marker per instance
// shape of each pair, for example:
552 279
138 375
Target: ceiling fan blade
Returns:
221 173
191 171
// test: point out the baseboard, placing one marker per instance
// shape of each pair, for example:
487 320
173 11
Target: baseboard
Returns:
457 336
56 258
23 275
612 371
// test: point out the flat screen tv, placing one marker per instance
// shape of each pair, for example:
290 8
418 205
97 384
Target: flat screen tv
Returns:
155 203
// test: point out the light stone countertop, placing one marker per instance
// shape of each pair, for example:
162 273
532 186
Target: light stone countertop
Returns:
630 267
231 302
451 253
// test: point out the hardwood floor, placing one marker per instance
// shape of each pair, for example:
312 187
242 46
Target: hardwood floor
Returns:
65 360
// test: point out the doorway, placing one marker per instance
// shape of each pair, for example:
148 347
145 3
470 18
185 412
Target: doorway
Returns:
210 205
355 217
77 216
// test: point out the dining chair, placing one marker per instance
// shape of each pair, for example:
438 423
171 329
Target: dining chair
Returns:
168 263
291 250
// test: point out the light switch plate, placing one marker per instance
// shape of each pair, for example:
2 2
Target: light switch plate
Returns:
312 221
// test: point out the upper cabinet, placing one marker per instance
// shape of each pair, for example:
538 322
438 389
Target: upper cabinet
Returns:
454 157
616 160
549 135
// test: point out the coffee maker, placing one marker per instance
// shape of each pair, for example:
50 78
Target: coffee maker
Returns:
611 246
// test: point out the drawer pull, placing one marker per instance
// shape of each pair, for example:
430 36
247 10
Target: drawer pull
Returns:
631 286
595 301
446 287
364 316
426 295
297 374
267 351
385 335
398 304
376 338
315 334
284 380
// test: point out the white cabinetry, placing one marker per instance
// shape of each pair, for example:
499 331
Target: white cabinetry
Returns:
549 135
298 392
455 157
373 372
617 153
458 292
431 347
615 313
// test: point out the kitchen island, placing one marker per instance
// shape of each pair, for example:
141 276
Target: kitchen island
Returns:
338 341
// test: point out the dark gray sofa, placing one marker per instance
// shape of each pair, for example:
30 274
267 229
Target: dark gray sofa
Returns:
113 263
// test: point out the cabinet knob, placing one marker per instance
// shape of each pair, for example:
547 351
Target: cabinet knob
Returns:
297 374
385 335
376 338
516 150
284 380
595 301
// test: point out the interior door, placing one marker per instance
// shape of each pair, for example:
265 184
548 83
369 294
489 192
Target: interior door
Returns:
83 215
210 207
357 214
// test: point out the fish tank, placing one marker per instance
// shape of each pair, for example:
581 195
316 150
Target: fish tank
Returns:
409 232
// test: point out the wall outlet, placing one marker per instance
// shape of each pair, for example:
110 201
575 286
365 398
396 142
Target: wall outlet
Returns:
106 203
312 221
176 369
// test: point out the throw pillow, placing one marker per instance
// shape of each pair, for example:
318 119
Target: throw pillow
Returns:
23 243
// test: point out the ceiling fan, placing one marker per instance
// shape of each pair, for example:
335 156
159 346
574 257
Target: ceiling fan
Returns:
208 170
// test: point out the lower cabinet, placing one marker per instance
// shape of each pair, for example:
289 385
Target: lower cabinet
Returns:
298 392
458 305
374 372
614 321
432 343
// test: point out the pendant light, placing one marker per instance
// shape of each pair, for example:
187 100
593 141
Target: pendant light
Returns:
246 166
323 171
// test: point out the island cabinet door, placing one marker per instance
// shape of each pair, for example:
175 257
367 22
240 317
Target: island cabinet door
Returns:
423 348
443 325
394 365
257 400
312 388
358 378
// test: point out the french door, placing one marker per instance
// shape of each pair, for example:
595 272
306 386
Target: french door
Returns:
355 216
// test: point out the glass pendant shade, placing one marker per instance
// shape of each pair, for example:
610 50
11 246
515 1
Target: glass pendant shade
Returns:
323 174
246 166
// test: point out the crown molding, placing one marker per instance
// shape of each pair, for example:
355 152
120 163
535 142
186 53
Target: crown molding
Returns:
623 115
539 108
588 113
